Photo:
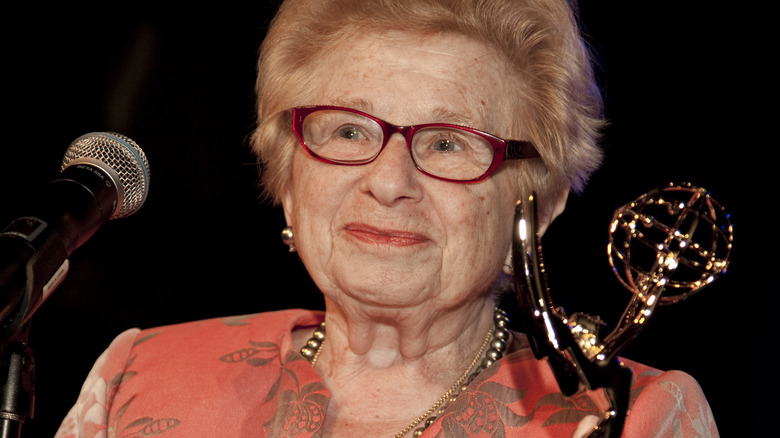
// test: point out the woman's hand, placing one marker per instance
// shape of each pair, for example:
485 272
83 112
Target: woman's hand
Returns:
586 426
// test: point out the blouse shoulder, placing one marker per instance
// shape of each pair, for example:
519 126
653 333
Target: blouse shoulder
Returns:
151 370
669 403
89 415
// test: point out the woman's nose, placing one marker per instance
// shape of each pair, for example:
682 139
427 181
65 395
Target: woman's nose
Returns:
392 177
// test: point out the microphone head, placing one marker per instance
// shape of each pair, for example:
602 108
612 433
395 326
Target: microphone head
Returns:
122 159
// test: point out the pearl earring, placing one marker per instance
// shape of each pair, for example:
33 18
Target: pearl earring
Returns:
287 238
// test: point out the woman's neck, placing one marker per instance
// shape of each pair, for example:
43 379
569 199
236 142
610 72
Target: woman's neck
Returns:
392 365
381 338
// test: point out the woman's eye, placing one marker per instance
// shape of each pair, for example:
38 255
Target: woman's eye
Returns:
350 133
445 146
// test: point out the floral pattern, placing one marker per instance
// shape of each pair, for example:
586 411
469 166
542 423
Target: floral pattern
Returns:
486 409
300 409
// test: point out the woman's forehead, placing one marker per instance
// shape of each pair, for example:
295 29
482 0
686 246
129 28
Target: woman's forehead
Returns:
441 78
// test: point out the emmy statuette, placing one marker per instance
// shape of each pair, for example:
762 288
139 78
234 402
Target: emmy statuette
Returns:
663 247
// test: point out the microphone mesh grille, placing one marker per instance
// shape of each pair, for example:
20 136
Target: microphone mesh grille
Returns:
124 157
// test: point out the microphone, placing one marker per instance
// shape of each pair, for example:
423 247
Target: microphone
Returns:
103 176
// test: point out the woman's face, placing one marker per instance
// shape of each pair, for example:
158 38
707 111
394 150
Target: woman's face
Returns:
384 234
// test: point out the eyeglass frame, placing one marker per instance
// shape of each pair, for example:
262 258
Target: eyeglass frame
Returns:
503 149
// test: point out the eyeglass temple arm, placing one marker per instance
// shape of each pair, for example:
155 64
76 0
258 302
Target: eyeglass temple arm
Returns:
519 149
550 330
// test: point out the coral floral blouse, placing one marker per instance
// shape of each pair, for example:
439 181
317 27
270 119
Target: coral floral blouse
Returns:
242 377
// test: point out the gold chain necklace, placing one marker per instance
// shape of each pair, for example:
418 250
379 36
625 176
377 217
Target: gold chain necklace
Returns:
496 339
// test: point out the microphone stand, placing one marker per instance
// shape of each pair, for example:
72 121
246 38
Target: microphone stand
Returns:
27 276
18 373
105 176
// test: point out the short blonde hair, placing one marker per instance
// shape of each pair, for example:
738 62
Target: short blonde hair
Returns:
558 105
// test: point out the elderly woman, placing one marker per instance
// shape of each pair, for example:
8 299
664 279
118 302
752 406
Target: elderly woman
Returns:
397 136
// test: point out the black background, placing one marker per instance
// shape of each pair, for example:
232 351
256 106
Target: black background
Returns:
682 86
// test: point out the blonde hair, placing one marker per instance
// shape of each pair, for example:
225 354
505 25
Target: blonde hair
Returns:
558 105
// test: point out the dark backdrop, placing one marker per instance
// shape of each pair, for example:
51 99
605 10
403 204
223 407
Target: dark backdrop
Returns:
204 245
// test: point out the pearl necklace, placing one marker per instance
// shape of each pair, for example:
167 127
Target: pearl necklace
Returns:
496 339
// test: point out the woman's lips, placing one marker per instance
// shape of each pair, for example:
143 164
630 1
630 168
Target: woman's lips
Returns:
378 236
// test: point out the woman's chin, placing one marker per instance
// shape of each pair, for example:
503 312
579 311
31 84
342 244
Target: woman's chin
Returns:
387 290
